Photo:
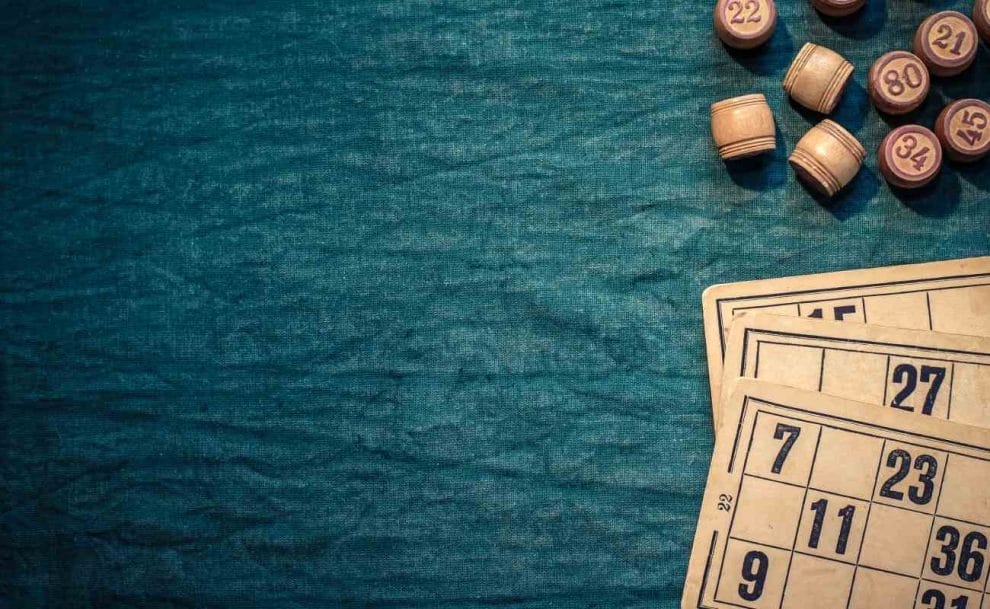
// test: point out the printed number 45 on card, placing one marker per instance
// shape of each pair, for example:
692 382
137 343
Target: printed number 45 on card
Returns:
951 296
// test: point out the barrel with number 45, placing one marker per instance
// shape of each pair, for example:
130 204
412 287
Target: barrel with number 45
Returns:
963 128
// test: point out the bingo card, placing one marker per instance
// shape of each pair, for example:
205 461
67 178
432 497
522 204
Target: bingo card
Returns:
951 296
816 502
941 375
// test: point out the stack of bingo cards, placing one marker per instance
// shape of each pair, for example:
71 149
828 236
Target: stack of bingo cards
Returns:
852 455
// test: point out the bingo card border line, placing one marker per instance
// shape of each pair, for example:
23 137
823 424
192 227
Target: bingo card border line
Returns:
825 425
720 301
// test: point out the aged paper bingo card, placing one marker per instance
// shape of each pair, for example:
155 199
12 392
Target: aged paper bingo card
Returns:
951 296
816 502
941 375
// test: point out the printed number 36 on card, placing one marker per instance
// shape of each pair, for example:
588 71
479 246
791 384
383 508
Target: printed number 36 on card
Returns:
819 503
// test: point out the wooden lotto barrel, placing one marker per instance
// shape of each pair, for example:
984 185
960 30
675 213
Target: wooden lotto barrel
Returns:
743 127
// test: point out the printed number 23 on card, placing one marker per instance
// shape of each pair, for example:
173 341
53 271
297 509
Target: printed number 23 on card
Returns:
815 502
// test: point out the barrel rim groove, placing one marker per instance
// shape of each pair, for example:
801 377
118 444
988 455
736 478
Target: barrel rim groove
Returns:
800 61
815 169
846 139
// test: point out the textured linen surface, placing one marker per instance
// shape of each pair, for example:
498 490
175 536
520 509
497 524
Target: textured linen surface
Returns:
366 303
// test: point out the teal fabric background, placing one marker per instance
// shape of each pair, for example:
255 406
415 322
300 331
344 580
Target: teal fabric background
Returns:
396 304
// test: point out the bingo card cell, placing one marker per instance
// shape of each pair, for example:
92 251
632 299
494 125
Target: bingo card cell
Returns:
815 502
951 296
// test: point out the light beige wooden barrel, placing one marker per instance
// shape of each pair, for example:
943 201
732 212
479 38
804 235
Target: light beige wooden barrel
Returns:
743 127
817 78
828 157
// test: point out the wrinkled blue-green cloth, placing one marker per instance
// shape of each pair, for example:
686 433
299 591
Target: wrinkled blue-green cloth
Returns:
367 303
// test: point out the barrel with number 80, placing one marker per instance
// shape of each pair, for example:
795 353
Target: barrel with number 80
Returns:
898 82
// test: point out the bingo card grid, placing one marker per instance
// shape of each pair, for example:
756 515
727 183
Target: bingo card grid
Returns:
906 380
939 534
853 308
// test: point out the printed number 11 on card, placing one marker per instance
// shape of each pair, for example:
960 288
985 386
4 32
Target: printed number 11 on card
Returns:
815 502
